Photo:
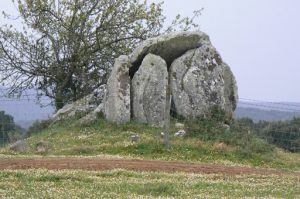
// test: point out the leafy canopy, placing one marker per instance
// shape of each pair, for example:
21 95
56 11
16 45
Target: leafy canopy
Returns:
66 48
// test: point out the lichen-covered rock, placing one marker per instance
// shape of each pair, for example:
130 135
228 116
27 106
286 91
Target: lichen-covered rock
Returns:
92 116
180 133
197 82
19 146
82 106
43 146
169 47
117 99
230 91
134 138
179 125
149 91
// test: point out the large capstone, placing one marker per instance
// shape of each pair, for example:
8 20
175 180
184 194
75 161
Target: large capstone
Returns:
117 99
169 47
197 83
149 91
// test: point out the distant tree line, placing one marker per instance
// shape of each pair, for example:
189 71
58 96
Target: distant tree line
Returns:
284 134
9 131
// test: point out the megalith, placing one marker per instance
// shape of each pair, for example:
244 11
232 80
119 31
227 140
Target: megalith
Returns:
198 84
117 97
149 91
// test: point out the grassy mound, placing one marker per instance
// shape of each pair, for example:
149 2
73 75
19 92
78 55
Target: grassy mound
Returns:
206 142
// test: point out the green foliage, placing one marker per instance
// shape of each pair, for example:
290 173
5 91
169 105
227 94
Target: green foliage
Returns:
206 142
212 130
158 189
9 131
67 48
38 126
130 184
284 134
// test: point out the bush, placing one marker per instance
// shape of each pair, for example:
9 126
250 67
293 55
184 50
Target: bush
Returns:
284 134
38 126
212 130
9 131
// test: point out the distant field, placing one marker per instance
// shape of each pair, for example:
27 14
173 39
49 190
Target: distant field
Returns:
126 184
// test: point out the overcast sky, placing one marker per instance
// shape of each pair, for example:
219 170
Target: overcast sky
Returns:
259 39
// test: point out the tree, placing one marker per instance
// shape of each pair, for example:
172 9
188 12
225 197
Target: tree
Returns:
8 128
67 48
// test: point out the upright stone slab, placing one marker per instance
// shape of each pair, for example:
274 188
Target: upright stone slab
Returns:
117 99
149 86
197 82
230 92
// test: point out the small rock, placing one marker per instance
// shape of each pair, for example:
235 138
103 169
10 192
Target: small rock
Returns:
226 127
43 146
81 107
19 146
180 133
134 138
179 125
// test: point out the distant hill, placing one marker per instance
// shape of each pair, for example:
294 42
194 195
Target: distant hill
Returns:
257 114
268 111
26 110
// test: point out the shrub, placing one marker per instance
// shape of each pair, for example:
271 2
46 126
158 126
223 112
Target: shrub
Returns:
38 126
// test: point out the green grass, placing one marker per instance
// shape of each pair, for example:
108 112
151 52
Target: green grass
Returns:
127 184
206 143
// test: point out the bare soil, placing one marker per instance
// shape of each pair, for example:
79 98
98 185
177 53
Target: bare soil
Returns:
95 164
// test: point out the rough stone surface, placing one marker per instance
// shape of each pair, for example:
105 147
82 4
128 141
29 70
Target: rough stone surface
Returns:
149 91
43 146
82 106
197 82
179 125
180 133
168 47
19 146
230 91
134 138
117 99
92 116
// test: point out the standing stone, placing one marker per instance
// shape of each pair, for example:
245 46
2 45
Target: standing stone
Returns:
117 99
230 92
197 82
149 86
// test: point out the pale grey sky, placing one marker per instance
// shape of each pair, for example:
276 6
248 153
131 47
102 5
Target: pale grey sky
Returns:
259 39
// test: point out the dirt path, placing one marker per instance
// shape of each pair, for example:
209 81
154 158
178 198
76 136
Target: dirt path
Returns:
95 164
